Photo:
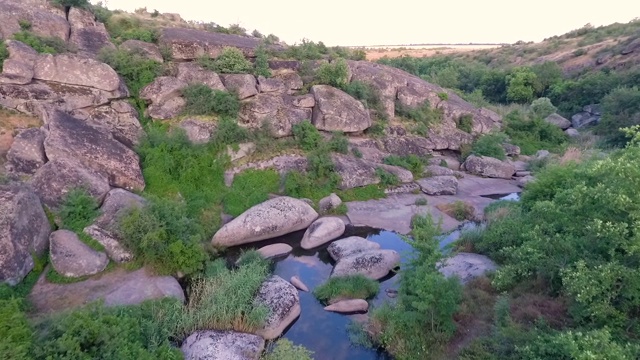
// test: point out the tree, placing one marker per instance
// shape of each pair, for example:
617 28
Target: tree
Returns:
261 65
621 108
521 86
542 107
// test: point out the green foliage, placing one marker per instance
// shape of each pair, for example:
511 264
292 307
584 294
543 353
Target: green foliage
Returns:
309 50
17 339
542 107
223 299
202 100
521 86
78 210
465 123
250 188
229 132
122 28
362 193
356 152
285 350
136 70
24 24
490 145
307 136
412 162
368 96
4 53
41 44
387 178
347 287
73 3
461 211
423 115
101 12
421 321
261 66
230 61
534 134
97 332
335 74
339 143
620 109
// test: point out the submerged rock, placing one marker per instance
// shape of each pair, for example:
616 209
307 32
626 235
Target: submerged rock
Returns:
374 264
222 345
348 306
71 257
281 298
322 231
295 281
275 250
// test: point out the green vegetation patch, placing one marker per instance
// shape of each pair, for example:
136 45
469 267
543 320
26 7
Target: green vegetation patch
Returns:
533 134
4 53
230 61
284 349
202 100
412 162
41 44
250 188
348 287
490 145
136 70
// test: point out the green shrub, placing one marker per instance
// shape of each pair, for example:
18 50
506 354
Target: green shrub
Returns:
229 132
202 100
387 178
412 162
347 287
532 135
41 44
261 66
78 210
101 12
299 185
620 109
250 188
490 145
356 152
24 24
223 299
73 3
424 116
307 136
285 350
4 53
542 107
465 123
123 28
320 165
136 70
230 61
339 143
362 193
17 339
335 74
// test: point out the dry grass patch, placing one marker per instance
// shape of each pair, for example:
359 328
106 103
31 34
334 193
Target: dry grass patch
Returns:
10 123
458 210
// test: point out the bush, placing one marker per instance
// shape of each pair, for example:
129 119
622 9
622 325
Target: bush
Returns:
73 3
261 66
101 12
620 109
285 350
532 135
136 70
335 74
250 188
423 115
41 44
339 143
4 53
127 27
307 136
368 96
229 132
78 210
202 100
387 178
17 339
230 61
490 145
412 162
465 123
348 287
542 107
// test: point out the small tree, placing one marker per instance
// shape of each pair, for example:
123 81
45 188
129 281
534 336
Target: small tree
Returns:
542 107
232 61
521 85
261 66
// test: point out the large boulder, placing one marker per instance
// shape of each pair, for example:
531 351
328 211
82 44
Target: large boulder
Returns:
53 181
590 115
164 93
489 167
439 185
374 264
270 85
467 266
87 34
269 219
283 302
559 121
322 231
336 110
191 44
95 148
198 131
292 81
148 50
222 345
105 228
71 257
18 68
350 246
27 152
24 230
244 85
355 172
408 145
278 112
76 70
192 73
45 20
329 203
121 119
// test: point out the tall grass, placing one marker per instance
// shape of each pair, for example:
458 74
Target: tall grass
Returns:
348 287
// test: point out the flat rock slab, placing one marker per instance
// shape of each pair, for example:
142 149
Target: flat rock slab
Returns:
117 287
348 306
478 186
374 264
439 185
275 250
467 266
322 231
222 345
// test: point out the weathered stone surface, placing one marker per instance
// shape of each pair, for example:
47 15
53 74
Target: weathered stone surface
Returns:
190 44
270 219
198 131
105 228
385 80
329 203
451 162
295 281
292 81
523 181
590 115
192 73
148 50
164 93
558 121
222 345
303 101
59 176
439 185
275 250
336 110
374 264
282 164
467 266
348 306
45 20
95 148
281 298
437 170
18 68
76 70
71 257
115 288
245 85
448 138
273 110
268 85
631 47
243 150
24 229
350 246
408 145
27 152
119 118
511 150
356 172
489 167
322 231
572 132
404 176
87 34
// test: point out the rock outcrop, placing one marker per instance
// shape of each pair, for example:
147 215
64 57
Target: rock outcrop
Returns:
336 110
322 231
281 298
24 229
164 93
356 172
489 167
222 345
467 266
329 203
590 115
27 152
87 34
71 257
439 185
148 50
295 281
374 264
18 68
45 20
192 73
190 44
76 70
245 85
558 121
120 119
350 246
278 111
270 219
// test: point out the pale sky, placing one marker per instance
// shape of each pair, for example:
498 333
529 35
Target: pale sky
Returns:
357 22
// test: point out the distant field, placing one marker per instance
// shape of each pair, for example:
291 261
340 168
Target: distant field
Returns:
392 51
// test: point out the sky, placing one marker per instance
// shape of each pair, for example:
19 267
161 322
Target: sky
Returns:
362 23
